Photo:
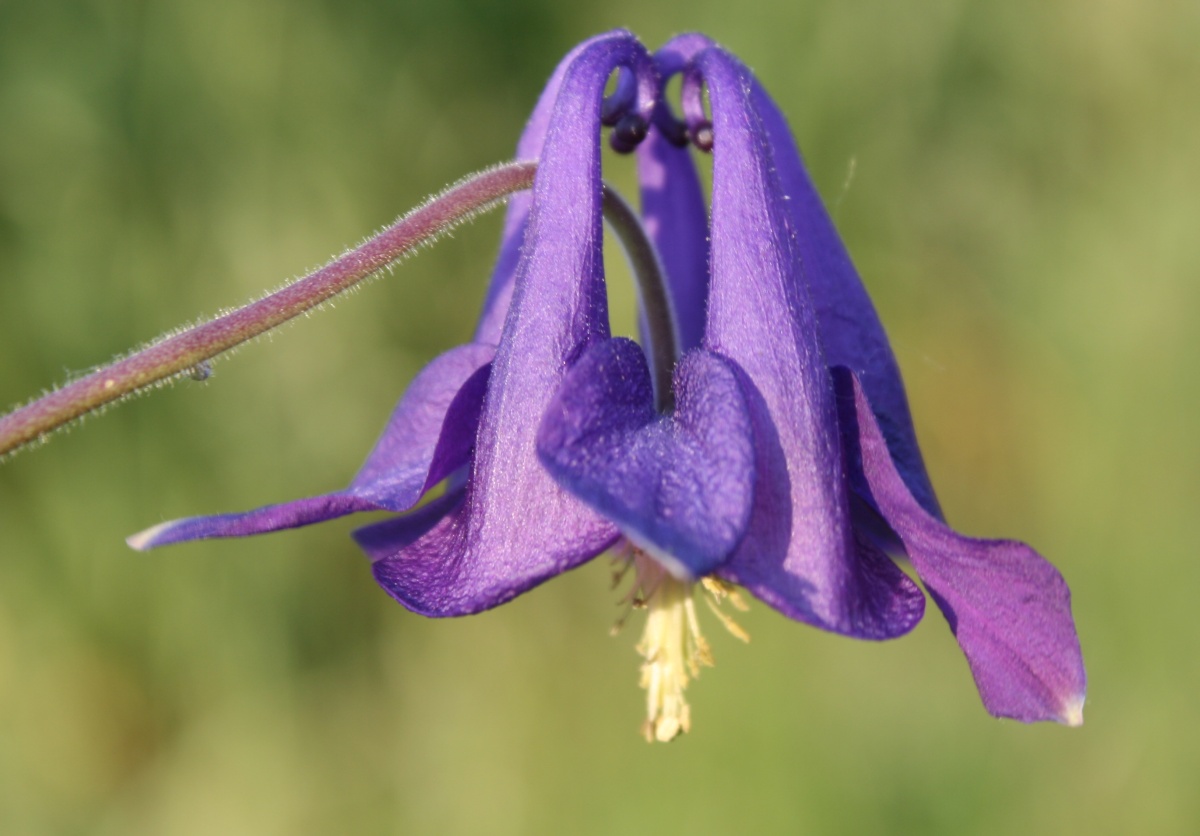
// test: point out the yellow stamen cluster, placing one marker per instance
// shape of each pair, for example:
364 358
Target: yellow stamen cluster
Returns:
672 646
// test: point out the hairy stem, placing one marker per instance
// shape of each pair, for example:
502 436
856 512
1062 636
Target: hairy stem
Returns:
188 352
652 293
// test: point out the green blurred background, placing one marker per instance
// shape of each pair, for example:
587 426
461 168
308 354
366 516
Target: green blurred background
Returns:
1018 183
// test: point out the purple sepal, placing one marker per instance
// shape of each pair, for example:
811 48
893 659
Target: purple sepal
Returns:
443 402
428 437
1008 607
800 554
679 486
514 526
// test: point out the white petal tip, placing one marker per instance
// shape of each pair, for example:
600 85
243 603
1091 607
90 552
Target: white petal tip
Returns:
674 566
1072 713
144 540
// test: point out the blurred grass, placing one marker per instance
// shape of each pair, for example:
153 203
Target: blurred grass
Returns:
1023 207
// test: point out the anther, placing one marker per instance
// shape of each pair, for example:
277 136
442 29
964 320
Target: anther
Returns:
628 133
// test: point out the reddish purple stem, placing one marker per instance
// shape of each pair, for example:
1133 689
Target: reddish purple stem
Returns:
178 354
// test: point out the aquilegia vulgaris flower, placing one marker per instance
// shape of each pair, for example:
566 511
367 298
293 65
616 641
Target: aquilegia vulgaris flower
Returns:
759 437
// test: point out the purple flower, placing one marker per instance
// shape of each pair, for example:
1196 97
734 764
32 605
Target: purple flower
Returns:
780 457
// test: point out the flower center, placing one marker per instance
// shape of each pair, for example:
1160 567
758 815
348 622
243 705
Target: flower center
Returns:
672 646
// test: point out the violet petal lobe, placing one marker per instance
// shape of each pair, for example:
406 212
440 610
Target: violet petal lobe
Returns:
679 486
428 437
515 527
851 333
800 554
1008 607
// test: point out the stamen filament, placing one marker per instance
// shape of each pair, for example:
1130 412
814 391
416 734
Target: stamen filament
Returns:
672 646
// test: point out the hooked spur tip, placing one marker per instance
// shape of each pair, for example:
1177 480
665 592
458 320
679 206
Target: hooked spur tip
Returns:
628 133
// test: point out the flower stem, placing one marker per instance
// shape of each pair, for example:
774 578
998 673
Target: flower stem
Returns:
652 293
188 351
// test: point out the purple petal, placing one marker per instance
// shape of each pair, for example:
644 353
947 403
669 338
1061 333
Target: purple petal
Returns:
516 527
679 486
799 554
1008 607
428 437
851 333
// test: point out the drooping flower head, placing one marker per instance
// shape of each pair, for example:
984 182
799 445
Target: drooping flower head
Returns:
777 453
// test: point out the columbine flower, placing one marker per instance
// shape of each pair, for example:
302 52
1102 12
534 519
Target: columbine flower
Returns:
776 452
